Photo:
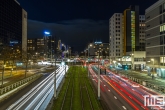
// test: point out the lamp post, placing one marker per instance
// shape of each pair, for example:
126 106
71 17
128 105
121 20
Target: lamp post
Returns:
110 50
51 49
98 76
88 57
85 57
69 54
55 56
132 61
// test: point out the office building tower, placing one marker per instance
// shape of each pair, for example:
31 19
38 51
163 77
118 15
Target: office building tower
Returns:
13 25
131 29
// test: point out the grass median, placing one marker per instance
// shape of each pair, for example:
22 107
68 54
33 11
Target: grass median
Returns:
70 94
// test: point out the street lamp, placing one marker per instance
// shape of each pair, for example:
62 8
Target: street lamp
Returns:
132 60
55 56
85 56
98 76
88 57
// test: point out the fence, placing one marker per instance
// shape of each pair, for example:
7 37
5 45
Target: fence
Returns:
17 84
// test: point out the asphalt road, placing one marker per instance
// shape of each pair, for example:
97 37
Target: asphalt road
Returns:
5 104
112 98
36 97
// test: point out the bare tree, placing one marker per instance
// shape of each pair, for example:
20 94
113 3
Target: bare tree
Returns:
16 55
5 53
25 58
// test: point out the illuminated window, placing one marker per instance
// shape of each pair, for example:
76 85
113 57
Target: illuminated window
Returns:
162 28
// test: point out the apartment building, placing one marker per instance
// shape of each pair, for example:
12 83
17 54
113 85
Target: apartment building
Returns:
127 37
115 36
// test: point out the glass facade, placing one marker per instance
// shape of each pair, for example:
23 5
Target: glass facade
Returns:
10 23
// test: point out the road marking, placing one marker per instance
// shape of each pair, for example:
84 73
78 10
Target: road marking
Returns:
124 107
115 97
142 107
109 90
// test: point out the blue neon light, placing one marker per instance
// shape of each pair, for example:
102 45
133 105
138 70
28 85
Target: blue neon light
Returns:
47 33
98 42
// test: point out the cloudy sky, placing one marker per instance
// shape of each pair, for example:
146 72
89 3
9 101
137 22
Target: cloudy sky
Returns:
75 22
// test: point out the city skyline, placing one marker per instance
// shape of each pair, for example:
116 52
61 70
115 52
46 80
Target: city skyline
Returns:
70 20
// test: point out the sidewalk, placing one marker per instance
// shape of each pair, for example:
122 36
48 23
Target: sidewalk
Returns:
157 84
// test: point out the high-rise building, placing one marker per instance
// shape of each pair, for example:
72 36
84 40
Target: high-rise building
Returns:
155 38
127 38
115 36
98 49
142 32
13 24
42 48
131 29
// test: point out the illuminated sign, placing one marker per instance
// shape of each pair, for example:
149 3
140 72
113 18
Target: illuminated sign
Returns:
154 100
98 42
13 42
47 33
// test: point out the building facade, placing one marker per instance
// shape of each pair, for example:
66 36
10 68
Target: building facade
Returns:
127 37
41 48
98 49
155 38
142 32
13 25
131 29
115 36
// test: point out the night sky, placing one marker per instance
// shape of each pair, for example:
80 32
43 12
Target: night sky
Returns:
75 22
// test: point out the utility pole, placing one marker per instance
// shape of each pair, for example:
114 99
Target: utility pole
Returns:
88 60
109 53
99 77
51 48
85 57
55 93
